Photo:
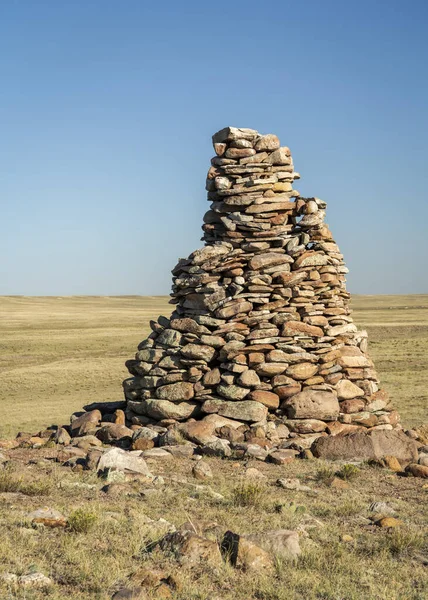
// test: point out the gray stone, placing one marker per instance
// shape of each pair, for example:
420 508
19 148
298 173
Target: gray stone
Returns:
164 409
120 460
246 410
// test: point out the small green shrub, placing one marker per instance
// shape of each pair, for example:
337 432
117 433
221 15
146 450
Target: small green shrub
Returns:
81 520
248 494
348 472
324 474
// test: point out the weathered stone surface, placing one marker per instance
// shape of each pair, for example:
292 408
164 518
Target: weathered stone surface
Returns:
282 457
114 431
232 392
202 471
176 392
246 410
170 338
164 409
212 378
190 548
346 390
280 157
292 328
208 253
233 309
354 405
367 446
120 460
270 259
269 369
234 133
187 325
311 259
198 351
86 423
350 356
301 371
267 142
281 543
245 554
249 378
199 432
313 404
269 399
306 425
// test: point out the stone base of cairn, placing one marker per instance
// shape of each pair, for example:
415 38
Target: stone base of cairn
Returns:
260 356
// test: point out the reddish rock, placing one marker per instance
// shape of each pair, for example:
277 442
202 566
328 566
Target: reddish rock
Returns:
417 470
269 399
352 406
142 444
294 328
199 432
113 432
301 371
282 457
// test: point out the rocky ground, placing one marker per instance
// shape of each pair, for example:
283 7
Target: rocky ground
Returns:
208 528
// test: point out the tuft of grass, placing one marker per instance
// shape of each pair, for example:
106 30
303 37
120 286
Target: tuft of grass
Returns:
81 520
324 474
401 542
9 482
248 493
348 472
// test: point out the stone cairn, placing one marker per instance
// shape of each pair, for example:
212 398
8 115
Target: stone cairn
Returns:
261 350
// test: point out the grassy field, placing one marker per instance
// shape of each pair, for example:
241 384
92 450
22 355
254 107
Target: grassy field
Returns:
56 354
59 353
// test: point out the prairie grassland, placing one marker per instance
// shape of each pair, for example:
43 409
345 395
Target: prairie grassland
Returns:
58 353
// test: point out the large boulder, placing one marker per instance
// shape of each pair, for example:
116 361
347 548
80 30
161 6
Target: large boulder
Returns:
367 446
312 404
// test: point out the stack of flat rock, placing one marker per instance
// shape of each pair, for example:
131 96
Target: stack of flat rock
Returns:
261 345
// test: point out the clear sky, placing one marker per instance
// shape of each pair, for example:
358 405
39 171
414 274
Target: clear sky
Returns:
107 109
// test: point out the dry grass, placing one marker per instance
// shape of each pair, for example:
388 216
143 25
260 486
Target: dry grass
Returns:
105 541
57 354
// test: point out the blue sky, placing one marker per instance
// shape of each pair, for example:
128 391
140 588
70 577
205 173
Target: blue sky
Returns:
107 110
